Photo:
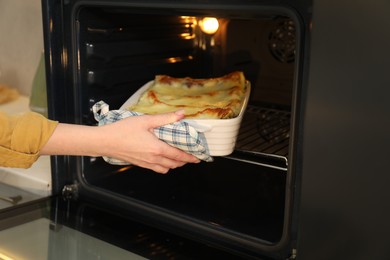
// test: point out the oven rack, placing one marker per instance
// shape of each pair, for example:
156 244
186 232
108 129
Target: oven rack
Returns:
264 137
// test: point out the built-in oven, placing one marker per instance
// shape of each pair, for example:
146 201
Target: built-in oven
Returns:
251 202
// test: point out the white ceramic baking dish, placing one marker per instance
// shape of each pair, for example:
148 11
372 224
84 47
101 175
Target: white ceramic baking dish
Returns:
220 134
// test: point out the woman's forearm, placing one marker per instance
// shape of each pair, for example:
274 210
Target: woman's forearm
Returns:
131 139
69 139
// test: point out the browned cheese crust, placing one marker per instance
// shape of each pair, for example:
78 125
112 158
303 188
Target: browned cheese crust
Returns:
215 98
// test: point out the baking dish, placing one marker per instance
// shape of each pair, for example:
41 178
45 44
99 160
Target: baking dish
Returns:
220 134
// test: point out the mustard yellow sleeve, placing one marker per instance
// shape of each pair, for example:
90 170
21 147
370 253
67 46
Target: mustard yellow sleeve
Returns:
22 137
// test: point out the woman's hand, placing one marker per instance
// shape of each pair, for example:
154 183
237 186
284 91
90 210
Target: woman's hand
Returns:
130 139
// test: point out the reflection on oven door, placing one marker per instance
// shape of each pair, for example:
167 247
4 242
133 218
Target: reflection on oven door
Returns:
37 240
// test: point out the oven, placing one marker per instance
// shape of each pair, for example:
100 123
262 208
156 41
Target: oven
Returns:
292 182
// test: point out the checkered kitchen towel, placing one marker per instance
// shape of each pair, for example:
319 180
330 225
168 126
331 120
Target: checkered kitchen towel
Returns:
179 134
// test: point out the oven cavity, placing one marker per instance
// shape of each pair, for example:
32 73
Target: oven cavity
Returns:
244 198
121 50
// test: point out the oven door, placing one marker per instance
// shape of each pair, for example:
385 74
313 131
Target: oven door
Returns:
54 228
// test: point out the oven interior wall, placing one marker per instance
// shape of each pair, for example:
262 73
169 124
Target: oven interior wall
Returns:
122 50
119 50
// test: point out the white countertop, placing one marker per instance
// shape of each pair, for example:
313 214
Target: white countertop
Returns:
36 179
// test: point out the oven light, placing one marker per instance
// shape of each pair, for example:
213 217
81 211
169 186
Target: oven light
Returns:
187 36
178 59
172 60
5 257
123 169
209 25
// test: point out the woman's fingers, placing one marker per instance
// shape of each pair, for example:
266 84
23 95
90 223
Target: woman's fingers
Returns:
159 164
164 119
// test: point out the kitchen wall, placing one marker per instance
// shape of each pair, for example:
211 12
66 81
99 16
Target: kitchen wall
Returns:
21 42
21 45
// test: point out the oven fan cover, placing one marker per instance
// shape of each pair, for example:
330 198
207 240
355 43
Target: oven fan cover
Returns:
281 41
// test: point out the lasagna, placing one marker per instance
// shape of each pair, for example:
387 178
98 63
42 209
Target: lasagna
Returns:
211 98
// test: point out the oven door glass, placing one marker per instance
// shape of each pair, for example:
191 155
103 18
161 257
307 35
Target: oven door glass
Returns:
54 228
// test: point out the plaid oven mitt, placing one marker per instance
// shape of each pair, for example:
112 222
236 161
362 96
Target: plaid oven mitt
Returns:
179 134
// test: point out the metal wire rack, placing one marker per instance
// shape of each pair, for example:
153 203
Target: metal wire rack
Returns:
265 135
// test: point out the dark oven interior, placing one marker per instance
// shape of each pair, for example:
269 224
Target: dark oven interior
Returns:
244 199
